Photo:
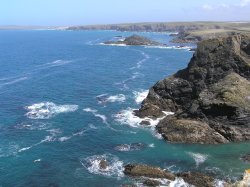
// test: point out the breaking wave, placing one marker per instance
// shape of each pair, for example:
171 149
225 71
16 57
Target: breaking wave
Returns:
128 117
113 167
130 147
46 139
46 110
94 112
187 48
105 98
198 158
140 96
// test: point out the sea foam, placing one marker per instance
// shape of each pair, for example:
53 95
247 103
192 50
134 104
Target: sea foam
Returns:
12 81
46 110
114 165
94 112
140 95
198 158
130 147
128 117
105 98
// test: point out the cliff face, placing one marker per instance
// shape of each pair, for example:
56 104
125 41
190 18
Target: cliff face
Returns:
210 98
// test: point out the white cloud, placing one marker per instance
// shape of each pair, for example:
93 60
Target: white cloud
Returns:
244 2
212 7
207 7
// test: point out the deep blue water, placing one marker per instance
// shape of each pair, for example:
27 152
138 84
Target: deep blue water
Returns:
66 101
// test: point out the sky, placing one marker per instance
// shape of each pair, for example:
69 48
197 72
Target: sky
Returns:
89 12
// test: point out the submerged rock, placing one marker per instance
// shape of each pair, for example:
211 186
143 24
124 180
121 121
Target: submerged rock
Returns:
134 40
246 158
210 98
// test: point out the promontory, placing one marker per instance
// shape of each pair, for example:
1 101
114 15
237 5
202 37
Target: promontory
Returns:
210 98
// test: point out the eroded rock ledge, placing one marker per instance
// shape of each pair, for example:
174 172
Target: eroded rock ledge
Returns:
210 98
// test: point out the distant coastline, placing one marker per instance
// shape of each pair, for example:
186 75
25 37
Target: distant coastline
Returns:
183 32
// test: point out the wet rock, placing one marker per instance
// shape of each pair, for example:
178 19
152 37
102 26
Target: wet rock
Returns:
145 122
197 179
103 164
245 182
209 97
136 170
150 182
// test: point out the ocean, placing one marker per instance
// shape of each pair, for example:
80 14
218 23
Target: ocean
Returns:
67 101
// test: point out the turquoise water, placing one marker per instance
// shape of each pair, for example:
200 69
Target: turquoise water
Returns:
66 102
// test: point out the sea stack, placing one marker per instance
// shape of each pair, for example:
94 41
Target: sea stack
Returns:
210 98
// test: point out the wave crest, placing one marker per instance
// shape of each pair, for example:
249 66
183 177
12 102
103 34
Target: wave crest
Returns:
114 165
46 110
140 96
198 158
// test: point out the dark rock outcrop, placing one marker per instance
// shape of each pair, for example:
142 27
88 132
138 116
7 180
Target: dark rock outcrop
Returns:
147 171
192 178
210 98
103 164
149 182
134 40
197 179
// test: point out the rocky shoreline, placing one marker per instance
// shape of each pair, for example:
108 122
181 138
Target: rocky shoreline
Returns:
211 104
154 176
210 98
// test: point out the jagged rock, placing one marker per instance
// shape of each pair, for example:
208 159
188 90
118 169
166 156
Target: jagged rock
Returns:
103 164
145 122
197 179
150 182
210 98
192 131
135 170
192 178
245 182
134 40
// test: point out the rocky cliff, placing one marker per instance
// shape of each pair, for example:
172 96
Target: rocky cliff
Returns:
210 98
